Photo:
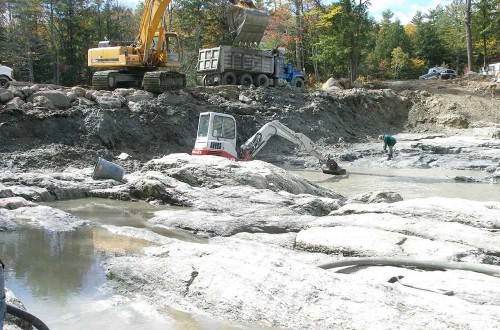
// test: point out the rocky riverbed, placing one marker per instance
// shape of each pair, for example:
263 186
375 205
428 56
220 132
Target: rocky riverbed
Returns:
263 231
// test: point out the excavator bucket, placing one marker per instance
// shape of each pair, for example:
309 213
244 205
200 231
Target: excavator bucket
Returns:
246 25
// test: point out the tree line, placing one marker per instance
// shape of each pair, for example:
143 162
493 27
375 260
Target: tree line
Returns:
47 40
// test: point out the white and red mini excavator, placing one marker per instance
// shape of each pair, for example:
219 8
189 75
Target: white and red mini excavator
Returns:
217 136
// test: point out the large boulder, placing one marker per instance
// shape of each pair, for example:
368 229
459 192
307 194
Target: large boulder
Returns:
332 84
56 97
5 95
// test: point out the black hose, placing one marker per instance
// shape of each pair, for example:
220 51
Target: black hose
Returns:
24 315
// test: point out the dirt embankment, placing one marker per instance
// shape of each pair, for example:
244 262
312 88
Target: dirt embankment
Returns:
69 130
53 126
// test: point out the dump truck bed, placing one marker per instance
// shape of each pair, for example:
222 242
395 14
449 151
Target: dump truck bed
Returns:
229 58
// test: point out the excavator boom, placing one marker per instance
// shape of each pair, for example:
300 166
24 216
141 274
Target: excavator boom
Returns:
255 144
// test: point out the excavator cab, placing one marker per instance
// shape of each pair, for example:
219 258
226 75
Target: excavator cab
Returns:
216 135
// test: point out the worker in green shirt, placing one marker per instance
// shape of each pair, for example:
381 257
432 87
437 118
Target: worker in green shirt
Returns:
389 141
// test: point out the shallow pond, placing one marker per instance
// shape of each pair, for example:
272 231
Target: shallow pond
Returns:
58 275
410 183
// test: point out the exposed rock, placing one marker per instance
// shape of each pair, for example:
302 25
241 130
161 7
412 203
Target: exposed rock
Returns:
71 97
12 203
84 101
41 101
107 102
15 104
139 95
48 218
5 95
351 241
16 91
376 197
201 171
79 91
250 285
56 97
12 322
332 84
6 220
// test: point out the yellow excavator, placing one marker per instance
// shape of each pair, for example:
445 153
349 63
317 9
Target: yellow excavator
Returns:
151 60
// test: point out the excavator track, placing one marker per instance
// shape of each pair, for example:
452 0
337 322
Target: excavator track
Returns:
162 81
100 80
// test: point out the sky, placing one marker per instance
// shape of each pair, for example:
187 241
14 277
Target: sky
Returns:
402 9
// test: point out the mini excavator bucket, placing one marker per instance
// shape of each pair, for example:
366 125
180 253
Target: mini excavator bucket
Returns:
246 23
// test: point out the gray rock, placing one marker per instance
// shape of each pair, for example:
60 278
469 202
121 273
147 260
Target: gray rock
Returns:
12 203
16 91
376 197
79 91
5 192
6 220
15 104
27 91
71 97
139 96
42 102
34 89
5 95
107 102
13 322
89 95
84 101
48 218
36 194
56 97
331 84
266 287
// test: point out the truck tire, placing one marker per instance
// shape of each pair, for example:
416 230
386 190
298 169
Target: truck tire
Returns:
246 80
229 78
299 83
262 80
4 82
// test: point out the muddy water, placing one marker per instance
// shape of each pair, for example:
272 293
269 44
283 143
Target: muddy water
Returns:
59 277
410 183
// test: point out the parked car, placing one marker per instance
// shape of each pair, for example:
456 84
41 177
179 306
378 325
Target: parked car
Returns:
433 73
5 76
447 74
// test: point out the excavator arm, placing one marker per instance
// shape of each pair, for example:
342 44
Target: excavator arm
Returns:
255 144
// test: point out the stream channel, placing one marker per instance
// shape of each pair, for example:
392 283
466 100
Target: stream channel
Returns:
58 276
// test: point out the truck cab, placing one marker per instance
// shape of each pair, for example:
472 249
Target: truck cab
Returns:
6 76
216 135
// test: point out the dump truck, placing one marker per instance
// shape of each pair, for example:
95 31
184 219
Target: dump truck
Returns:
232 65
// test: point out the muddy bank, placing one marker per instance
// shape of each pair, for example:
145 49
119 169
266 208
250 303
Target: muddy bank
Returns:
71 131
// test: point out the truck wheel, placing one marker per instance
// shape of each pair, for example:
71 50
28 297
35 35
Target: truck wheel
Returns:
262 80
246 80
229 78
299 83
4 82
